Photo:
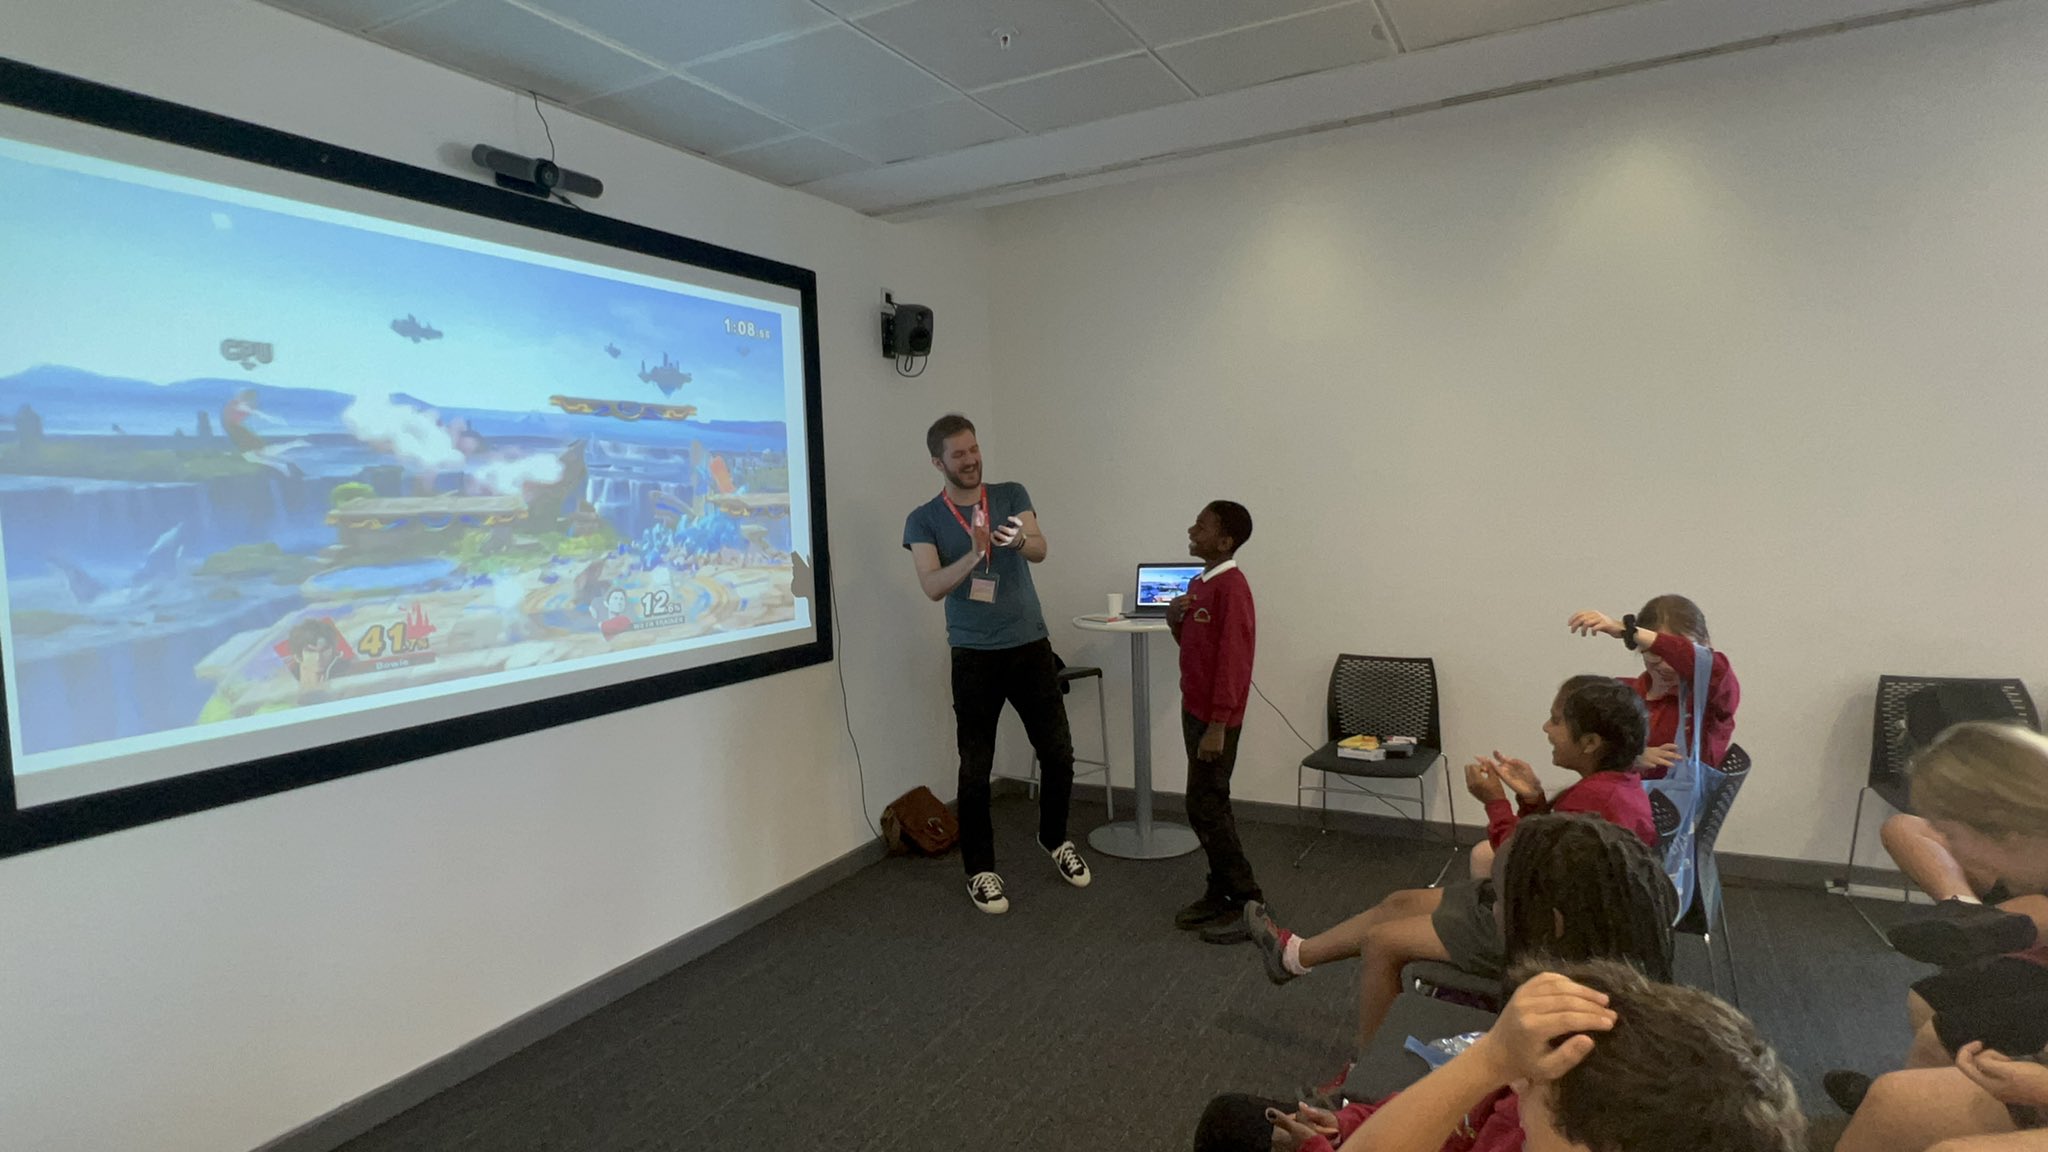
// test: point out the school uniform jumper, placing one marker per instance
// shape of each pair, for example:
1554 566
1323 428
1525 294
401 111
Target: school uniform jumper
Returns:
1218 633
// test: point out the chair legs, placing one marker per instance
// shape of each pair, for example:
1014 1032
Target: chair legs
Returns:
1713 968
1451 812
1421 808
1849 868
1324 795
1728 942
1102 724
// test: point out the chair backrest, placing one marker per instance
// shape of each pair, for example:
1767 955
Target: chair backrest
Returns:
1714 808
1890 744
1385 696
1706 905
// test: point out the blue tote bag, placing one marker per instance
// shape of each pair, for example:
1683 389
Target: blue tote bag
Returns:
1677 799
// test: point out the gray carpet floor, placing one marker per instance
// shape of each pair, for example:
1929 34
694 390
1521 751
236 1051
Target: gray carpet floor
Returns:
887 1013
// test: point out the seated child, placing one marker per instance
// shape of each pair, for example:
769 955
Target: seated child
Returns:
1595 729
1664 631
1581 1059
1983 786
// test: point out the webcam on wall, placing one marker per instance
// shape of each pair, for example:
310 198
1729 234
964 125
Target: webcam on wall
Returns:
906 335
533 175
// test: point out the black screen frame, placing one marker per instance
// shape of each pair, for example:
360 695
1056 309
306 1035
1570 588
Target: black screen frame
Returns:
39 90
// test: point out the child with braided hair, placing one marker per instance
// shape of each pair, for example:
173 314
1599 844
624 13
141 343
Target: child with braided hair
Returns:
1573 889
1596 729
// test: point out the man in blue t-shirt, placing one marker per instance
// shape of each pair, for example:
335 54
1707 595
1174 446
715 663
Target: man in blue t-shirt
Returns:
974 545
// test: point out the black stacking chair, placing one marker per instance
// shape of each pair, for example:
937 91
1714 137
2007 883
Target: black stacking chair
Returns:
1379 696
1894 737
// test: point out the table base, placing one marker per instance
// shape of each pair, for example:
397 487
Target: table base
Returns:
1122 840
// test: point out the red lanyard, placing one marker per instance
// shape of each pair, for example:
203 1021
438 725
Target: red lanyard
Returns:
988 554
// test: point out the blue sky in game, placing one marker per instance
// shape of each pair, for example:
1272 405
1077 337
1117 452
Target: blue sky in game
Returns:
127 279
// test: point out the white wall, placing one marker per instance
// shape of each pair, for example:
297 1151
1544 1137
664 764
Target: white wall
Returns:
211 982
1763 329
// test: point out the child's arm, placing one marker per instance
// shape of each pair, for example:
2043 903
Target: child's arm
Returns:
1233 683
1669 647
1486 788
1519 1047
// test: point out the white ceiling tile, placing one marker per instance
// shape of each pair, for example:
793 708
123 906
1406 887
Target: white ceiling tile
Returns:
682 114
927 131
1427 23
1076 96
516 48
798 160
1284 48
354 15
1171 21
820 78
957 38
673 31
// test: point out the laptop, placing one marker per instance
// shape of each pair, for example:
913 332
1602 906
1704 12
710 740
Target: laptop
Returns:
1158 584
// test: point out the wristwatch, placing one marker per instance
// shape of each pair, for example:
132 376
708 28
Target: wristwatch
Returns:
1628 632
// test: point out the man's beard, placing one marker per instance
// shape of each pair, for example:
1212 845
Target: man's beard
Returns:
955 480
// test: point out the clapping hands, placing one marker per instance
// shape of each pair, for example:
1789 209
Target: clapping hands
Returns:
1489 778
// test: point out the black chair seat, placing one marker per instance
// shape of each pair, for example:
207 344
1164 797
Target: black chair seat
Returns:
1446 976
1410 767
1386 1066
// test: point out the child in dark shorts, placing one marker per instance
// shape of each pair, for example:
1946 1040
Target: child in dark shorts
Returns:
1596 728
1981 1023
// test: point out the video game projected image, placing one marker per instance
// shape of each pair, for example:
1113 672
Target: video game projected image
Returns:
267 468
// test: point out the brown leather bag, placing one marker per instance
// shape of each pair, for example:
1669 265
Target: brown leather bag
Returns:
919 822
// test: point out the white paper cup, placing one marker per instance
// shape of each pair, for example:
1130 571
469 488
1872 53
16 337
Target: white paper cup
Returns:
1116 604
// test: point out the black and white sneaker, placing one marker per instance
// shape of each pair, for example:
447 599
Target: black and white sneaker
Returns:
986 889
1073 869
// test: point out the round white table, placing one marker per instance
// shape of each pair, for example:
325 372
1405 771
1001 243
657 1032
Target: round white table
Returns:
1143 838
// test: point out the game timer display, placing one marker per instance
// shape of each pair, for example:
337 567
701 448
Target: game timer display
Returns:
313 462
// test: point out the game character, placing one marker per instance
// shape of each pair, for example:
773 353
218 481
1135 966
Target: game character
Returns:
234 420
311 653
610 612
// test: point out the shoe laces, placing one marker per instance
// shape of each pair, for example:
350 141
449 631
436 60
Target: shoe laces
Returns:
1069 859
987 885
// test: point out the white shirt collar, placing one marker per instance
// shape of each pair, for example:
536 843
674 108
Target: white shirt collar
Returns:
1219 570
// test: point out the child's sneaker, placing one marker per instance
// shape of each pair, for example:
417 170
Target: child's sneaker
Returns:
1271 939
987 890
1073 869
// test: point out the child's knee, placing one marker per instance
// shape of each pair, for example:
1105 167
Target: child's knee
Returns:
1900 830
1394 941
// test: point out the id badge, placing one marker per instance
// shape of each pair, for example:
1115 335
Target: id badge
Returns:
981 587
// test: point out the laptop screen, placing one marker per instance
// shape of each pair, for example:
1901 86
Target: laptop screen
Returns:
1158 584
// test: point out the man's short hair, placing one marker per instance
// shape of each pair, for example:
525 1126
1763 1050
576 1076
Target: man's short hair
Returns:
1679 1069
1237 523
943 429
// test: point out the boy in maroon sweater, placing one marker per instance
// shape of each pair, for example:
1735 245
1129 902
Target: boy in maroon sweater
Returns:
1217 631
